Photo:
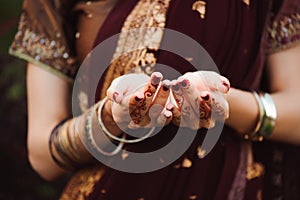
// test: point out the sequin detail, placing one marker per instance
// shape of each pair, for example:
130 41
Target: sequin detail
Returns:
284 33
39 49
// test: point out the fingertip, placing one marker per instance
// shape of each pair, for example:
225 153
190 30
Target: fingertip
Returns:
168 114
205 95
117 97
183 82
226 85
156 78
139 96
170 107
166 84
175 86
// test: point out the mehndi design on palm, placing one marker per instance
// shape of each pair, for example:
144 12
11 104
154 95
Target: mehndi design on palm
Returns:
139 100
195 100
200 99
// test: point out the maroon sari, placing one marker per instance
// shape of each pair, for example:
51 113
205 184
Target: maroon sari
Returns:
232 35
236 37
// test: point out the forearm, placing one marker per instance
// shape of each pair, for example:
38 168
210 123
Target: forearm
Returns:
244 112
48 104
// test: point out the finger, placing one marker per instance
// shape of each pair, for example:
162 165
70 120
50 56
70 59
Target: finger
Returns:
176 115
150 97
225 85
214 81
205 101
125 85
162 94
145 91
176 93
112 92
164 118
190 93
220 108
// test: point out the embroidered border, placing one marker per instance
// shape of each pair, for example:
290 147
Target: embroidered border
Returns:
37 48
142 32
284 33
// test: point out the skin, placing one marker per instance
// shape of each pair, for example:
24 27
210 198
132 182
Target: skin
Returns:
45 109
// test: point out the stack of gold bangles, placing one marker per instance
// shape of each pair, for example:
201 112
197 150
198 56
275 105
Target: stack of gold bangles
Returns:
68 147
266 117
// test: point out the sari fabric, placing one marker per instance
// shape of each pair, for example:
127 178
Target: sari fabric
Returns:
232 35
237 37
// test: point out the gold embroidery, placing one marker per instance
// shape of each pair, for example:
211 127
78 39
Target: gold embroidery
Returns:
187 163
141 33
82 183
247 2
38 48
255 170
284 33
200 152
131 55
200 7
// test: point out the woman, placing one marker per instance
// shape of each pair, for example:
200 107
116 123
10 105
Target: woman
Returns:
250 41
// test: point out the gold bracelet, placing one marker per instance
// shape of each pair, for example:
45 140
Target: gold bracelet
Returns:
255 136
69 146
88 130
266 118
63 162
123 140
270 115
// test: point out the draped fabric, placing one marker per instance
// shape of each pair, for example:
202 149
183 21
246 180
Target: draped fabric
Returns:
232 35
236 36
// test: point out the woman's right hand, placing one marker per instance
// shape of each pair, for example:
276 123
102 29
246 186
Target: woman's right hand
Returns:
135 102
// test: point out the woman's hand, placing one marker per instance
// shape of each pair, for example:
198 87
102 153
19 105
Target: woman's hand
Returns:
200 99
135 101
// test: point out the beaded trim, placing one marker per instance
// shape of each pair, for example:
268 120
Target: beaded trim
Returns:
37 48
284 33
142 31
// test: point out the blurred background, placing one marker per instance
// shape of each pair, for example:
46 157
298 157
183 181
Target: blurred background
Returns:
17 179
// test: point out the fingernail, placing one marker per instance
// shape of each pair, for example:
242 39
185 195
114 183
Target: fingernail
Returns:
137 98
226 85
175 87
184 83
115 96
170 107
166 87
205 96
156 80
168 114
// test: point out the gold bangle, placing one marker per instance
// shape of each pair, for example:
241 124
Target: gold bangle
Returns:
63 162
67 145
89 134
260 112
270 115
123 140
255 136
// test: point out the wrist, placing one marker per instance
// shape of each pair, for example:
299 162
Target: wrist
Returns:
243 111
108 120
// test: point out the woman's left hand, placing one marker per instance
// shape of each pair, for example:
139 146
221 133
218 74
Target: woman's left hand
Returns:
200 99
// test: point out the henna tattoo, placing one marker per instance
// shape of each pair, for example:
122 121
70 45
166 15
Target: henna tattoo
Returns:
139 115
204 111
218 109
